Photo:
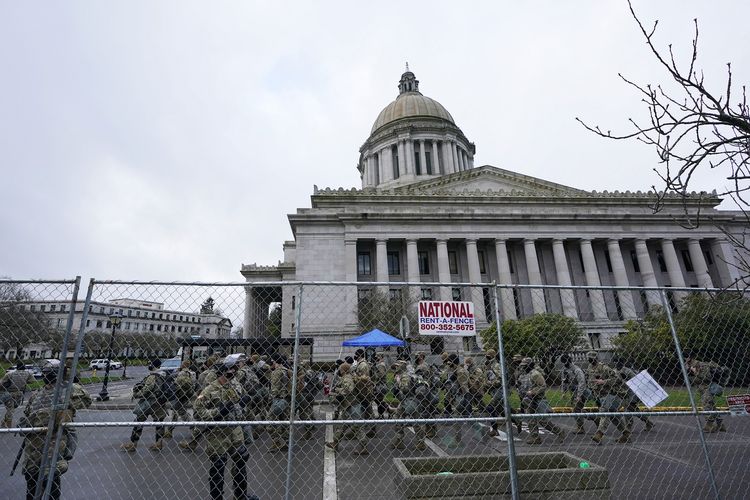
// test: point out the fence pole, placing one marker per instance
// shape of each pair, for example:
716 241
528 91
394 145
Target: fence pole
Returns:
709 467
293 406
38 492
506 402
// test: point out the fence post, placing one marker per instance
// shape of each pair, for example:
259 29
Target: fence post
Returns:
293 405
709 467
506 402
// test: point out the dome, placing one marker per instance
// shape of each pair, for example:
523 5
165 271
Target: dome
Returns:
411 104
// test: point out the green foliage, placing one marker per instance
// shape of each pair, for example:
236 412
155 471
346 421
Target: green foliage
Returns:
543 337
379 309
274 321
711 328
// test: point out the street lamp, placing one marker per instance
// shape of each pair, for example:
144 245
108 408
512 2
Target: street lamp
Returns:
115 319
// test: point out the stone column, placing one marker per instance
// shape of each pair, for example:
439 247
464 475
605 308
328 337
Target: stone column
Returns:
409 151
625 297
477 296
647 272
412 268
250 326
456 165
422 157
725 259
471 162
535 277
350 267
371 165
507 303
699 264
447 158
673 268
435 158
444 271
592 279
401 158
381 257
567 296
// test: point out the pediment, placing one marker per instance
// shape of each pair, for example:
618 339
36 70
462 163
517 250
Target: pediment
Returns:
488 179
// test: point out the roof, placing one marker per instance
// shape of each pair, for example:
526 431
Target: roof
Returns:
411 105
374 338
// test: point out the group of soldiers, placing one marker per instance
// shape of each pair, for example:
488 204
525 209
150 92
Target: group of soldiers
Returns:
473 389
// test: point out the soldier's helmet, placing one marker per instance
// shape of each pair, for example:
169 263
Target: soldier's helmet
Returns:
359 353
344 368
225 365
592 356
399 365
469 361
491 353
453 359
420 355
444 356
565 358
526 361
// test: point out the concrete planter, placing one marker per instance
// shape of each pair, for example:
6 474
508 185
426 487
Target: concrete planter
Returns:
540 476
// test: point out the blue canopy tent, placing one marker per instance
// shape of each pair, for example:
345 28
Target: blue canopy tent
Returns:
374 338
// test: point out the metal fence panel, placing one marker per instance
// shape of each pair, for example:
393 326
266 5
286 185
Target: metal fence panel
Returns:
420 421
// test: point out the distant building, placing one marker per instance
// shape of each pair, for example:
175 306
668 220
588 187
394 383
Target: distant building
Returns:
425 213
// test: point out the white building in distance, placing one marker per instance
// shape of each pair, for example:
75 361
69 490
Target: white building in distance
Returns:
425 214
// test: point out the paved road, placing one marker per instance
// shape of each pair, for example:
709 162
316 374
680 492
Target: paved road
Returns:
665 463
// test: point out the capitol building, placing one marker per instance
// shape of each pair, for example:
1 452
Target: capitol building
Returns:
426 213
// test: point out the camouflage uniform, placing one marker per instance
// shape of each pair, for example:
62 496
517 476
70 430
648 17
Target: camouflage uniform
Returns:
185 383
306 396
631 400
79 399
412 392
348 406
149 403
247 377
609 393
279 409
36 414
705 378
477 381
206 377
13 386
456 383
532 388
219 402
379 381
496 406
574 380
365 390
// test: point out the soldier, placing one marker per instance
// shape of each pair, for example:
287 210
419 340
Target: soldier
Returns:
219 402
609 389
456 384
364 387
36 413
279 410
630 402
532 388
186 384
574 380
151 402
447 408
308 389
204 378
496 406
79 399
476 384
380 382
247 378
412 392
347 407
707 378
517 372
14 385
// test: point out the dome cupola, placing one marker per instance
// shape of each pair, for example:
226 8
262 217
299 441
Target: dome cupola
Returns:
413 138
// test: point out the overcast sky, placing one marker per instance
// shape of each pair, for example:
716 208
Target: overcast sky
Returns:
168 140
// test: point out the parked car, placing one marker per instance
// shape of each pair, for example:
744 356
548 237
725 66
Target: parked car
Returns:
171 365
101 364
32 369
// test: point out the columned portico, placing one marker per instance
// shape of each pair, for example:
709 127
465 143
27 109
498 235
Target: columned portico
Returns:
699 264
504 278
624 297
535 277
567 297
592 279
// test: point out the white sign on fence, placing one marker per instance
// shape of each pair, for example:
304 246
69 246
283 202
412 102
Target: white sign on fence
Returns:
451 319
647 389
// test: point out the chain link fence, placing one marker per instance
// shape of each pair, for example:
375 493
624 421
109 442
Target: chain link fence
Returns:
574 392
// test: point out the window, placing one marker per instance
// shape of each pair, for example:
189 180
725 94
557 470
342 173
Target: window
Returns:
609 261
62 306
426 293
453 262
180 317
59 323
394 266
127 325
394 294
424 262
158 328
482 268
417 163
179 329
428 160
394 162
207 331
634 258
161 316
52 308
660 261
151 327
88 323
43 308
456 293
364 293
688 261
709 260
98 323
172 329
109 324
294 302
33 307
489 309
363 263
595 342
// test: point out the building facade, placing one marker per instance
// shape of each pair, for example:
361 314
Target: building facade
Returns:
426 214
